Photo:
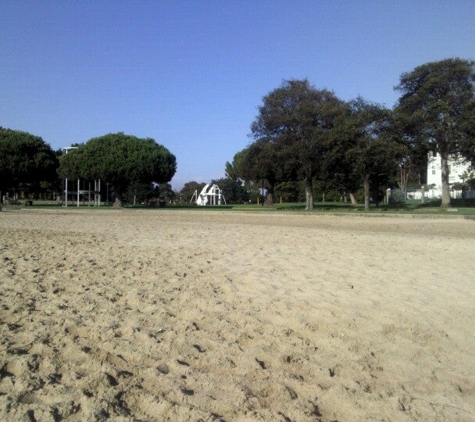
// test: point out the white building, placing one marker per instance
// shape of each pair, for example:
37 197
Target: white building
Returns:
210 195
458 170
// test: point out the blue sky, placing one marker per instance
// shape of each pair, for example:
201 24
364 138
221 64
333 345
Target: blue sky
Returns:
191 74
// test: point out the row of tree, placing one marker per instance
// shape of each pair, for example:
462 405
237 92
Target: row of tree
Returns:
130 166
310 135
27 163
124 161
302 137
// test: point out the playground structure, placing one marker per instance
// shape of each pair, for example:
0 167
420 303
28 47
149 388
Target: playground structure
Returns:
81 193
210 195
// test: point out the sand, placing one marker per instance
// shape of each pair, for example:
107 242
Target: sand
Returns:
164 315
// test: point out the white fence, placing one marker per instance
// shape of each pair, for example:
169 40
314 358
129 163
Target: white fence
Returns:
397 195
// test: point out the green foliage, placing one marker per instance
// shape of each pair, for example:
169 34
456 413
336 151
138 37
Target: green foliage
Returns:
188 190
141 193
305 134
371 150
121 160
25 162
436 111
261 161
436 99
297 120
312 136
309 135
233 170
290 191
232 190
166 192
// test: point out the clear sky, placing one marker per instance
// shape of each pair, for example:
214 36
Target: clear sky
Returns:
191 73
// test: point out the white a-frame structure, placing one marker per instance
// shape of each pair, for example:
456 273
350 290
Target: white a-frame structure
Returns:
210 195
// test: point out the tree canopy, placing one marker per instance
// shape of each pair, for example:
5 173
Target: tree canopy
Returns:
297 119
189 189
25 160
260 162
436 110
232 190
372 151
121 160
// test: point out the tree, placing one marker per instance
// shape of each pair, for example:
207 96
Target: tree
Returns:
289 191
297 119
166 192
233 170
374 151
413 167
338 170
232 190
436 110
260 162
189 190
25 160
141 192
239 172
361 152
468 142
121 160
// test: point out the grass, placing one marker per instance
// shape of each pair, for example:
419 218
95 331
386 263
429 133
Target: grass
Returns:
409 207
432 207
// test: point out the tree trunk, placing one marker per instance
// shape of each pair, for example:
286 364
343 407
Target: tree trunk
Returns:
269 199
366 193
445 180
117 202
403 177
269 202
376 196
270 196
308 194
354 202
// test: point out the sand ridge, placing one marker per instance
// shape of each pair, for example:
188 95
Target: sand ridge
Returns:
159 315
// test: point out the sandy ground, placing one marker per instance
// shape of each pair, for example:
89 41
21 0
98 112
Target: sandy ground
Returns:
208 316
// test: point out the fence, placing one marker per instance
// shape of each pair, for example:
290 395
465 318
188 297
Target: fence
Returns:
395 196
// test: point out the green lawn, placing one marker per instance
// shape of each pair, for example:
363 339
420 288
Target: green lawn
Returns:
459 207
